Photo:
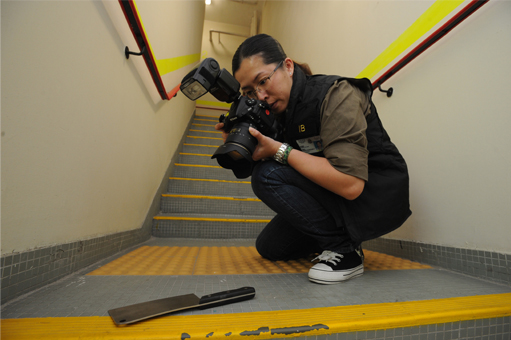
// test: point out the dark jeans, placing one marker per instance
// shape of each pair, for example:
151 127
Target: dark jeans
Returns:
308 216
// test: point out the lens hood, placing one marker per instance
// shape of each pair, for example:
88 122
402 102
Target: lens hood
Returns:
235 157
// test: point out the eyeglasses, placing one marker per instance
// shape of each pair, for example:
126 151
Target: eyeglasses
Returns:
263 84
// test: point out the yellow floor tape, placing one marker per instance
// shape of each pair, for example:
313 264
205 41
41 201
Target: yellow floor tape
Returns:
153 260
267 325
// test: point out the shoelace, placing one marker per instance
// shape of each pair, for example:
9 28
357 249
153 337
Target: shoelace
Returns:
329 256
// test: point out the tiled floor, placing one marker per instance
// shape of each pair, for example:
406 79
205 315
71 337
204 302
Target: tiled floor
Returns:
136 275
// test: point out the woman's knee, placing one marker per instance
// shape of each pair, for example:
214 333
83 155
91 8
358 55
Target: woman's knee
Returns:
267 174
263 248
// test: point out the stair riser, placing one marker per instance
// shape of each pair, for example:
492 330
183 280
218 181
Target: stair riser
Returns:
214 206
210 188
206 229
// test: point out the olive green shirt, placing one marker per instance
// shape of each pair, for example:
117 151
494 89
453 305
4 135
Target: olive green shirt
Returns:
343 129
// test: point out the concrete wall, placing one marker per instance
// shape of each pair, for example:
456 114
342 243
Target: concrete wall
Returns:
84 148
449 114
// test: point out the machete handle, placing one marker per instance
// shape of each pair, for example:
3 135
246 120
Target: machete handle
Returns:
226 297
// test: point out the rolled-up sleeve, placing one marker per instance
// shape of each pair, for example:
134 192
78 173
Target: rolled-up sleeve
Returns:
343 129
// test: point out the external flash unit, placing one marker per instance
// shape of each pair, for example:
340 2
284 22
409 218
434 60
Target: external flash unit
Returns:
208 77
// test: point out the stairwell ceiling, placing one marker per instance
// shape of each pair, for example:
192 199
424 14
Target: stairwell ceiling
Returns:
233 12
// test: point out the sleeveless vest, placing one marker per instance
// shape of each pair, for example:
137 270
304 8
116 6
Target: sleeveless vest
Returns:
384 204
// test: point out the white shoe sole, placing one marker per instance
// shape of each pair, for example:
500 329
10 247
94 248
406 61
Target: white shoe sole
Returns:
328 277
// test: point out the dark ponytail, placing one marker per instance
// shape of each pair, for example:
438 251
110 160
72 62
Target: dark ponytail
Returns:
267 47
304 67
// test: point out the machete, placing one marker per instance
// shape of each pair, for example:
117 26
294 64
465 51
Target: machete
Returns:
149 309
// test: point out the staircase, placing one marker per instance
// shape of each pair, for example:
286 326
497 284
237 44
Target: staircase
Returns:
204 200
204 244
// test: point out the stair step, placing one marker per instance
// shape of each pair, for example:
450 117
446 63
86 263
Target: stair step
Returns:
206 172
199 148
212 226
207 126
206 119
204 133
208 140
203 186
196 159
193 207
174 203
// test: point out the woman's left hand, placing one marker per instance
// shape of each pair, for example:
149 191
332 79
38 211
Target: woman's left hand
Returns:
266 146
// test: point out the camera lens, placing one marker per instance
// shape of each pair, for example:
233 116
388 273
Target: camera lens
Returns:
236 153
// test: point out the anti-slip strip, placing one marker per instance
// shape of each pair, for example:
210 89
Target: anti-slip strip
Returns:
153 260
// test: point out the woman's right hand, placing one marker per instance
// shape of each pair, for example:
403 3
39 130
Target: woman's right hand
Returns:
220 127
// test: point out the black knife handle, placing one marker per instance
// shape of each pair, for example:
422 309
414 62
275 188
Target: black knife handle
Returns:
225 297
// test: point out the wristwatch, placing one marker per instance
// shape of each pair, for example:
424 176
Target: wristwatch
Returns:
283 153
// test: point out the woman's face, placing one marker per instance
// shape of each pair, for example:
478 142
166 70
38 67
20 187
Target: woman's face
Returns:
252 70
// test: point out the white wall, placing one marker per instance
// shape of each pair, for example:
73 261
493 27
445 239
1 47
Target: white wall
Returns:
449 114
222 49
84 148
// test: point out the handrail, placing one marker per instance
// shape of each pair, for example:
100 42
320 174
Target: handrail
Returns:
428 42
222 32
133 19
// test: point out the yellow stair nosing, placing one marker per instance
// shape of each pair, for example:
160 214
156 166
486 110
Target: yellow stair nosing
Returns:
194 154
227 198
202 145
206 131
198 124
207 180
198 165
270 324
209 219
197 137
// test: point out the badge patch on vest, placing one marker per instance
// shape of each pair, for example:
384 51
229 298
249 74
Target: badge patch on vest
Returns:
311 144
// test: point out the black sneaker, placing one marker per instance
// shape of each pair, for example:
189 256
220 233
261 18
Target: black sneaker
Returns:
334 267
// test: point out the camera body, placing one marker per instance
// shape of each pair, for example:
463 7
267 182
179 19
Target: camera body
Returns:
236 152
254 112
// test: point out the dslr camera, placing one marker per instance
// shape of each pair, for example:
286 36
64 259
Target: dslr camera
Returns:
236 152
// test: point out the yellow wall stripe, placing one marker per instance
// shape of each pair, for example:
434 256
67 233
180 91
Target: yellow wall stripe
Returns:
267 325
171 64
214 104
438 11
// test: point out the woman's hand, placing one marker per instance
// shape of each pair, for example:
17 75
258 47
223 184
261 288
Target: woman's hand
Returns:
220 127
266 146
